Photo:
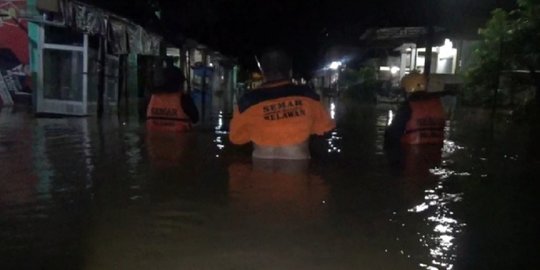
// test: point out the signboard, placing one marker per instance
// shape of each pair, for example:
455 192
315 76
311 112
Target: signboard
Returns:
400 32
14 57
393 33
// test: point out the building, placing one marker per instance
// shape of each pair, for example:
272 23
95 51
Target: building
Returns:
405 49
397 51
78 59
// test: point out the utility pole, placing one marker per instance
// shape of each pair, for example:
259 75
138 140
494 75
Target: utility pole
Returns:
429 50
429 11
497 79
203 84
101 76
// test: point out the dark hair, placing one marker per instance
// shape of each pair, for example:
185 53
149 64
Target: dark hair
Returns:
275 63
169 61
173 80
423 95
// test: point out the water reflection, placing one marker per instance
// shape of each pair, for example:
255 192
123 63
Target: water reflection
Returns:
445 228
76 194
390 117
167 149
16 158
220 134
334 142
334 139
45 175
383 121
437 212
277 191
41 164
449 147
133 152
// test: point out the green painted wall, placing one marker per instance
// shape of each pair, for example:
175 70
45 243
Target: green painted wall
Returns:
33 41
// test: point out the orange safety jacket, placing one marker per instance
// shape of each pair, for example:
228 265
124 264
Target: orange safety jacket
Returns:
165 113
279 114
427 122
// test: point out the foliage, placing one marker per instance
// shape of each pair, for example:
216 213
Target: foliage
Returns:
360 85
510 41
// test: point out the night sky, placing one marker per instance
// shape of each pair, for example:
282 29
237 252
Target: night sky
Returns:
305 28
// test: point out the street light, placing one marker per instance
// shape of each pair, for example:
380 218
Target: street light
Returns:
335 65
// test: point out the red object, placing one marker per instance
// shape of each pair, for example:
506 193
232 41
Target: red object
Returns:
165 113
13 31
427 122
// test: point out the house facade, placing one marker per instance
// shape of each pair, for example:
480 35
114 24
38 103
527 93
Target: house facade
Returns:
72 58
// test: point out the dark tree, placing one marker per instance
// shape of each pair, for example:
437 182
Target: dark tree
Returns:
510 41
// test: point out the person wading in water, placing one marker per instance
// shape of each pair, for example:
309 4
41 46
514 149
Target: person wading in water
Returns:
279 116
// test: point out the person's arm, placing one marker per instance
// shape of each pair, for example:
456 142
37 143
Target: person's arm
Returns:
189 108
322 122
396 129
239 130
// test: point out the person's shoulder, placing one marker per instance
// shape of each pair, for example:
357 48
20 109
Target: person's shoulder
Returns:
308 92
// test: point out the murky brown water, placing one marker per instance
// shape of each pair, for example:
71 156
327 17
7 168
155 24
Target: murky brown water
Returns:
79 194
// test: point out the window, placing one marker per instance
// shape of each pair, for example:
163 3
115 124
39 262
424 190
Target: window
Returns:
62 74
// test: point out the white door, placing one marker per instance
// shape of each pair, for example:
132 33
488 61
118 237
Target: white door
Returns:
62 77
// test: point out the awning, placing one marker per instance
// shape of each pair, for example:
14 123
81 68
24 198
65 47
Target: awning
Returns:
123 35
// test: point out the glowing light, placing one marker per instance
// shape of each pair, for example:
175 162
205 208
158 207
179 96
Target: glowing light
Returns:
447 50
335 65
220 121
384 68
419 208
442 228
218 140
332 141
394 70
441 241
390 117
333 110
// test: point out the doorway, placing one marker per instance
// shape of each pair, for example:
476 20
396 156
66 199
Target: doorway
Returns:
63 72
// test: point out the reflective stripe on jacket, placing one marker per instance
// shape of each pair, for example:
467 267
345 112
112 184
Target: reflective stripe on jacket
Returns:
279 114
165 113
426 125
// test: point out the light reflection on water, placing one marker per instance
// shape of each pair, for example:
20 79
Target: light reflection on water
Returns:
101 198
334 145
133 152
334 139
437 212
390 117
449 147
383 120
220 134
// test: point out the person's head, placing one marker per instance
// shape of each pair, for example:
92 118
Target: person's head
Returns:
174 79
169 62
414 82
276 65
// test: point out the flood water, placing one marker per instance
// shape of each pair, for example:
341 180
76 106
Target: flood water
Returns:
78 193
